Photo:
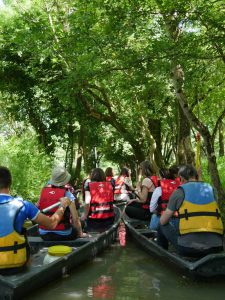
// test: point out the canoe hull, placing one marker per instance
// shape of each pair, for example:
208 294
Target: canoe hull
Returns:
212 265
37 274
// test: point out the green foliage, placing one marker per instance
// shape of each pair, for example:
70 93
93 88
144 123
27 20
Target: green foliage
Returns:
28 163
221 169
92 62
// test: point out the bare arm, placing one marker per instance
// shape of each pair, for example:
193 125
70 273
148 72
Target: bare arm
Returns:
52 222
143 194
165 218
76 219
87 205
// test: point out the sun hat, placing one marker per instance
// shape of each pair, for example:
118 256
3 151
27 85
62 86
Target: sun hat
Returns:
60 176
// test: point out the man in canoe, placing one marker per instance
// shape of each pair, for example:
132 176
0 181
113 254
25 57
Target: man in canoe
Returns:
200 229
14 248
69 227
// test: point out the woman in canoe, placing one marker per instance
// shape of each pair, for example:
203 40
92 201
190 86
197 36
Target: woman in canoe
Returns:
161 194
14 248
123 186
98 209
110 176
50 195
139 208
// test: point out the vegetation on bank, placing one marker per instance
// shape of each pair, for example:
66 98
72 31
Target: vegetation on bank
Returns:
113 81
31 166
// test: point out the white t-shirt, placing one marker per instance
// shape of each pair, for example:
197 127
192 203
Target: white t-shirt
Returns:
155 198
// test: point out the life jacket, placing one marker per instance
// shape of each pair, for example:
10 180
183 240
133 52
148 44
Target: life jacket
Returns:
199 211
70 189
49 196
155 181
177 179
120 181
13 244
101 205
168 186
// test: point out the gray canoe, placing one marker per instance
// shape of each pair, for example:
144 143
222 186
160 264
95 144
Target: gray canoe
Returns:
212 265
37 274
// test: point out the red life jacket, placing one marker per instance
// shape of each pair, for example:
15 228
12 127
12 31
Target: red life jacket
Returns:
108 178
155 181
118 185
101 205
49 196
177 179
168 186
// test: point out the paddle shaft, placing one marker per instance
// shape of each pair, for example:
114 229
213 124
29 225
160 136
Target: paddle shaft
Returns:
53 206
50 207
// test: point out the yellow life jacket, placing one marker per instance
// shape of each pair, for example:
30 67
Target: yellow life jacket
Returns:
199 211
13 245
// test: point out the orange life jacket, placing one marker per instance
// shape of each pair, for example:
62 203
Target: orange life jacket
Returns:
49 196
120 181
101 205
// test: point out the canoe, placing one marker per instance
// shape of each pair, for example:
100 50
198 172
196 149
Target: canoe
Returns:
212 265
37 274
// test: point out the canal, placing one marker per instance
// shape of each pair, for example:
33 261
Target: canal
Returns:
129 273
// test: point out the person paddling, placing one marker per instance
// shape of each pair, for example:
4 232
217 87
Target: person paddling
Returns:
50 195
124 189
14 247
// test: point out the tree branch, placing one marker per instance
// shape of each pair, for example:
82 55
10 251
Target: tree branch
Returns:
219 120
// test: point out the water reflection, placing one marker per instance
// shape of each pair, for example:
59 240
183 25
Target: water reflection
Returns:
125 273
103 289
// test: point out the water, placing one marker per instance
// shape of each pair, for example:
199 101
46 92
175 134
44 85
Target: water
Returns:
126 273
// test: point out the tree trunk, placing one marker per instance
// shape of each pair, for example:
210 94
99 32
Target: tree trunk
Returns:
155 129
171 22
214 174
221 140
70 149
185 153
80 153
208 141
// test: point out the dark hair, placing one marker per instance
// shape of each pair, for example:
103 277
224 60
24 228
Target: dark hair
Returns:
5 178
146 168
124 172
98 175
109 172
173 172
187 172
164 173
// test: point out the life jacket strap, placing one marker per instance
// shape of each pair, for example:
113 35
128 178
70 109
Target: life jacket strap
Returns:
187 215
102 204
13 248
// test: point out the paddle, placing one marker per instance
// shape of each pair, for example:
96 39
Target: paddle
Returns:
50 207
122 229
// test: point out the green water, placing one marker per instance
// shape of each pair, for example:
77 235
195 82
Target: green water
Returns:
129 273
